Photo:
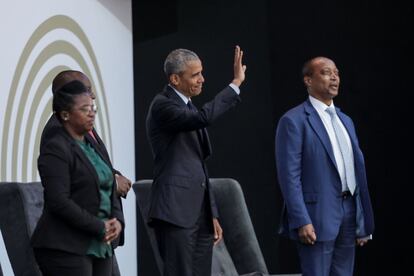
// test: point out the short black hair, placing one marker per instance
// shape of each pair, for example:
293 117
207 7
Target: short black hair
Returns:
64 98
64 77
307 69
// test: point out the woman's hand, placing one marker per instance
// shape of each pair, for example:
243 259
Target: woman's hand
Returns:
112 230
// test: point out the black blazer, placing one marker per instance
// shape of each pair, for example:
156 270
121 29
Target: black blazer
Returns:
180 146
52 127
71 197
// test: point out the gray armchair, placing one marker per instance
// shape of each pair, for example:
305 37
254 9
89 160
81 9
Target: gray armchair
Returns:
239 252
21 206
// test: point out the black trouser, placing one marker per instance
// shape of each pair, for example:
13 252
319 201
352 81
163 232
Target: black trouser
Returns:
187 251
60 263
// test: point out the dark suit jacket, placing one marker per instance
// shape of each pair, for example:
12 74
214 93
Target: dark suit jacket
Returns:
52 127
71 197
309 179
180 146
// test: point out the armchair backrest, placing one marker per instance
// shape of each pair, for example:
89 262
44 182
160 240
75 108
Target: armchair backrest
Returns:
149 259
239 252
238 233
21 205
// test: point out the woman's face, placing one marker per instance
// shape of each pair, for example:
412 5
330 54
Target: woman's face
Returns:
81 117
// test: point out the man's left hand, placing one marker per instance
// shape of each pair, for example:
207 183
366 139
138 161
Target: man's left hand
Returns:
362 242
218 232
123 185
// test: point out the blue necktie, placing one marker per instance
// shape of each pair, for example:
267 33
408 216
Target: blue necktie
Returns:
345 151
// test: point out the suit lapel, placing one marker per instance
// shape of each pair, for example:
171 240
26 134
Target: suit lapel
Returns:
317 125
85 160
170 93
202 134
207 151
98 147
82 156
203 139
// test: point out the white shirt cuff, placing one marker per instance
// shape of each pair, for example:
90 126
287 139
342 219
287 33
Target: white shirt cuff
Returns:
235 88
366 238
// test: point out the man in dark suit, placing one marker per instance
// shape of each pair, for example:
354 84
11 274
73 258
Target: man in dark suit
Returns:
322 177
182 209
123 184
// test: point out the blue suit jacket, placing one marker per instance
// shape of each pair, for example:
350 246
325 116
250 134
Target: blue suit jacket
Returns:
309 179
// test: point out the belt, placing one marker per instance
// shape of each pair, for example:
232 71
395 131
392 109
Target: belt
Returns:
346 194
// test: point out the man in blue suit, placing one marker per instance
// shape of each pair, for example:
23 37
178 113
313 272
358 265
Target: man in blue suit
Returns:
322 177
183 211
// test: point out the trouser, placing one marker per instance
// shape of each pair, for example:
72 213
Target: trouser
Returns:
56 262
336 257
187 251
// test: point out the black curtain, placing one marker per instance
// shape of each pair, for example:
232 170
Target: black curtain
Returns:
371 43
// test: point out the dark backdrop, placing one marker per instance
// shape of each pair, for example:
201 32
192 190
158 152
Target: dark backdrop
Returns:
371 43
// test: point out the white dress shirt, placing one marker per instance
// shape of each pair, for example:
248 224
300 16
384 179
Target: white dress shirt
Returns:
327 122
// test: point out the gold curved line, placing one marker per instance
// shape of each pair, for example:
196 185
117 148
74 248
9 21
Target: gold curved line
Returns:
49 51
35 37
76 29
43 119
54 48
55 22
40 91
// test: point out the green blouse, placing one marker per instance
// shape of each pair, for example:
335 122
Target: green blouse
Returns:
98 248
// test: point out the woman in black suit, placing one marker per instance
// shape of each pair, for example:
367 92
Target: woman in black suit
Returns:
82 220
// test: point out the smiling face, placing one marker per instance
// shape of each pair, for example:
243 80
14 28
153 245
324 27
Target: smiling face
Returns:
190 81
323 81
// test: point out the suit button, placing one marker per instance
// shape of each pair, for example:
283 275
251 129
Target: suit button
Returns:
203 184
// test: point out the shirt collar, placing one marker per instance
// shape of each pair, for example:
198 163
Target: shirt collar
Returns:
181 95
320 106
